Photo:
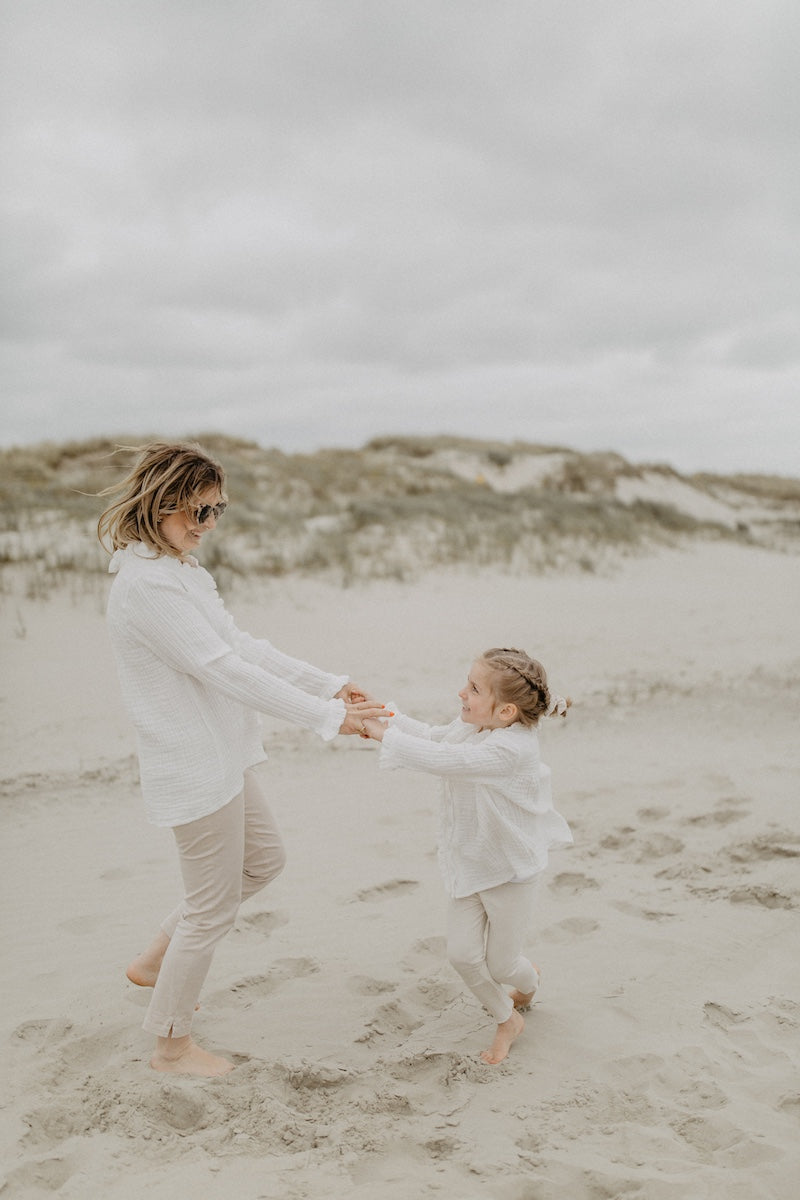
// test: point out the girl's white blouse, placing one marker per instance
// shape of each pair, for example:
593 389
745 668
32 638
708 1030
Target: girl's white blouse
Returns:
497 821
194 683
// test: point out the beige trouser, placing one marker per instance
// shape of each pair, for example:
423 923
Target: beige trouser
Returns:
224 858
485 935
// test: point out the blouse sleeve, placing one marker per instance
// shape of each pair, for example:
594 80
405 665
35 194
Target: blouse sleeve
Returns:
263 654
162 617
487 760
295 671
418 729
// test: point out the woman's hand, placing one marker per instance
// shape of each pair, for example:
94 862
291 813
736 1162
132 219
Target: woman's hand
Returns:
361 712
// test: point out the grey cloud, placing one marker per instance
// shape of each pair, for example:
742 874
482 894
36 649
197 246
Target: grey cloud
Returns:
404 208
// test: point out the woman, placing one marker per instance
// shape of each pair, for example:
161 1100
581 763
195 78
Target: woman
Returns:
194 684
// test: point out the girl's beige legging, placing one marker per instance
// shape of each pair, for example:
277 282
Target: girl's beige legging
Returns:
485 936
224 858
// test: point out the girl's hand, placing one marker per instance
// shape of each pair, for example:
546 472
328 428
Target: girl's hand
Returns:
375 729
361 712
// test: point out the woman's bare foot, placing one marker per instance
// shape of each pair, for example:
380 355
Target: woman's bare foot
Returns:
143 971
507 1032
182 1056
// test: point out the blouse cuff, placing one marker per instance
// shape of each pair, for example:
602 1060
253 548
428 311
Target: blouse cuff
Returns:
335 684
389 757
333 720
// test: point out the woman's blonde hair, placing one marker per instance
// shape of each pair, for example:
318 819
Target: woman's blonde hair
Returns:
167 478
520 680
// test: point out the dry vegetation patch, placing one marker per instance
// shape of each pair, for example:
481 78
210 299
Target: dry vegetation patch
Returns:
396 507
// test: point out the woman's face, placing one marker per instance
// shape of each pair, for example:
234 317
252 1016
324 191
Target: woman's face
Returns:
182 530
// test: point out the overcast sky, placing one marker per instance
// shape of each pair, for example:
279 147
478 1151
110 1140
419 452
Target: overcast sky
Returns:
310 222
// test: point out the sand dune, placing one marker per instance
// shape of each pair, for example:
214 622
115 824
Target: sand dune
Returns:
660 1059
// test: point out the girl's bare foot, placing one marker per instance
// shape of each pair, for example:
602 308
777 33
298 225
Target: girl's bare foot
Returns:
507 1032
182 1056
522 1000
143 971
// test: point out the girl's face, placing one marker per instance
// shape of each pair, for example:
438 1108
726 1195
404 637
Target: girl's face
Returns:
182 530
478 705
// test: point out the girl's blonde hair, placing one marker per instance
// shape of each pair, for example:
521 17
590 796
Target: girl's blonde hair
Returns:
520 680
167 478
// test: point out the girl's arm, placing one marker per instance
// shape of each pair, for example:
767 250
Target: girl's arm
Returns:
487 760
418 729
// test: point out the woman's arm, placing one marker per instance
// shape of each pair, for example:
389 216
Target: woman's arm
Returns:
295 671
262 653
169 625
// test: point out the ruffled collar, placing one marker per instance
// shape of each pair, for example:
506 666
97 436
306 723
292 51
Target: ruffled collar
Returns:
139 550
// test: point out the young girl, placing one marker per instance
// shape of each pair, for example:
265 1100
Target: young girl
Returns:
497 824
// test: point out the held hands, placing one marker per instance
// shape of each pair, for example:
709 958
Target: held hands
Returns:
363 711
351 693
375 729
360 713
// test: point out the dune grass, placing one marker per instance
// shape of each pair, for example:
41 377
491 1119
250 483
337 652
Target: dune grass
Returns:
393 508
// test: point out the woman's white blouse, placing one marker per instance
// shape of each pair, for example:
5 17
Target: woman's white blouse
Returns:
194 683
497 821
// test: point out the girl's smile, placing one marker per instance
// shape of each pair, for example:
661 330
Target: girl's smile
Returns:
478 705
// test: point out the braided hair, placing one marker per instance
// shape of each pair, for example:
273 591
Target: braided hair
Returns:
519 680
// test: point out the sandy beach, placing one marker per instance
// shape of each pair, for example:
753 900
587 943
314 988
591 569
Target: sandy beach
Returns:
660 1058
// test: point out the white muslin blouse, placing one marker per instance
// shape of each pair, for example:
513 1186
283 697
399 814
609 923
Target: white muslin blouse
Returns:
497 821
194 684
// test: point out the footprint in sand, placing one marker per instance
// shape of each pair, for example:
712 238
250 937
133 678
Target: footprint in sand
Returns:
394 1021
304 1074
419 958
721 1016
263 922
180 1109
790 1104
659 845
647 914
570 928
722 816
46 1175
767 847
767 897
620 839
760 1033
436 1070
442 1147
656 845
84 1051
572 882
387 891
282 970
115 873
364 985
40 1033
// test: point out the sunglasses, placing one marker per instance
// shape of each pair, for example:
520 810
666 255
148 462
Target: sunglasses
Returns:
205 511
